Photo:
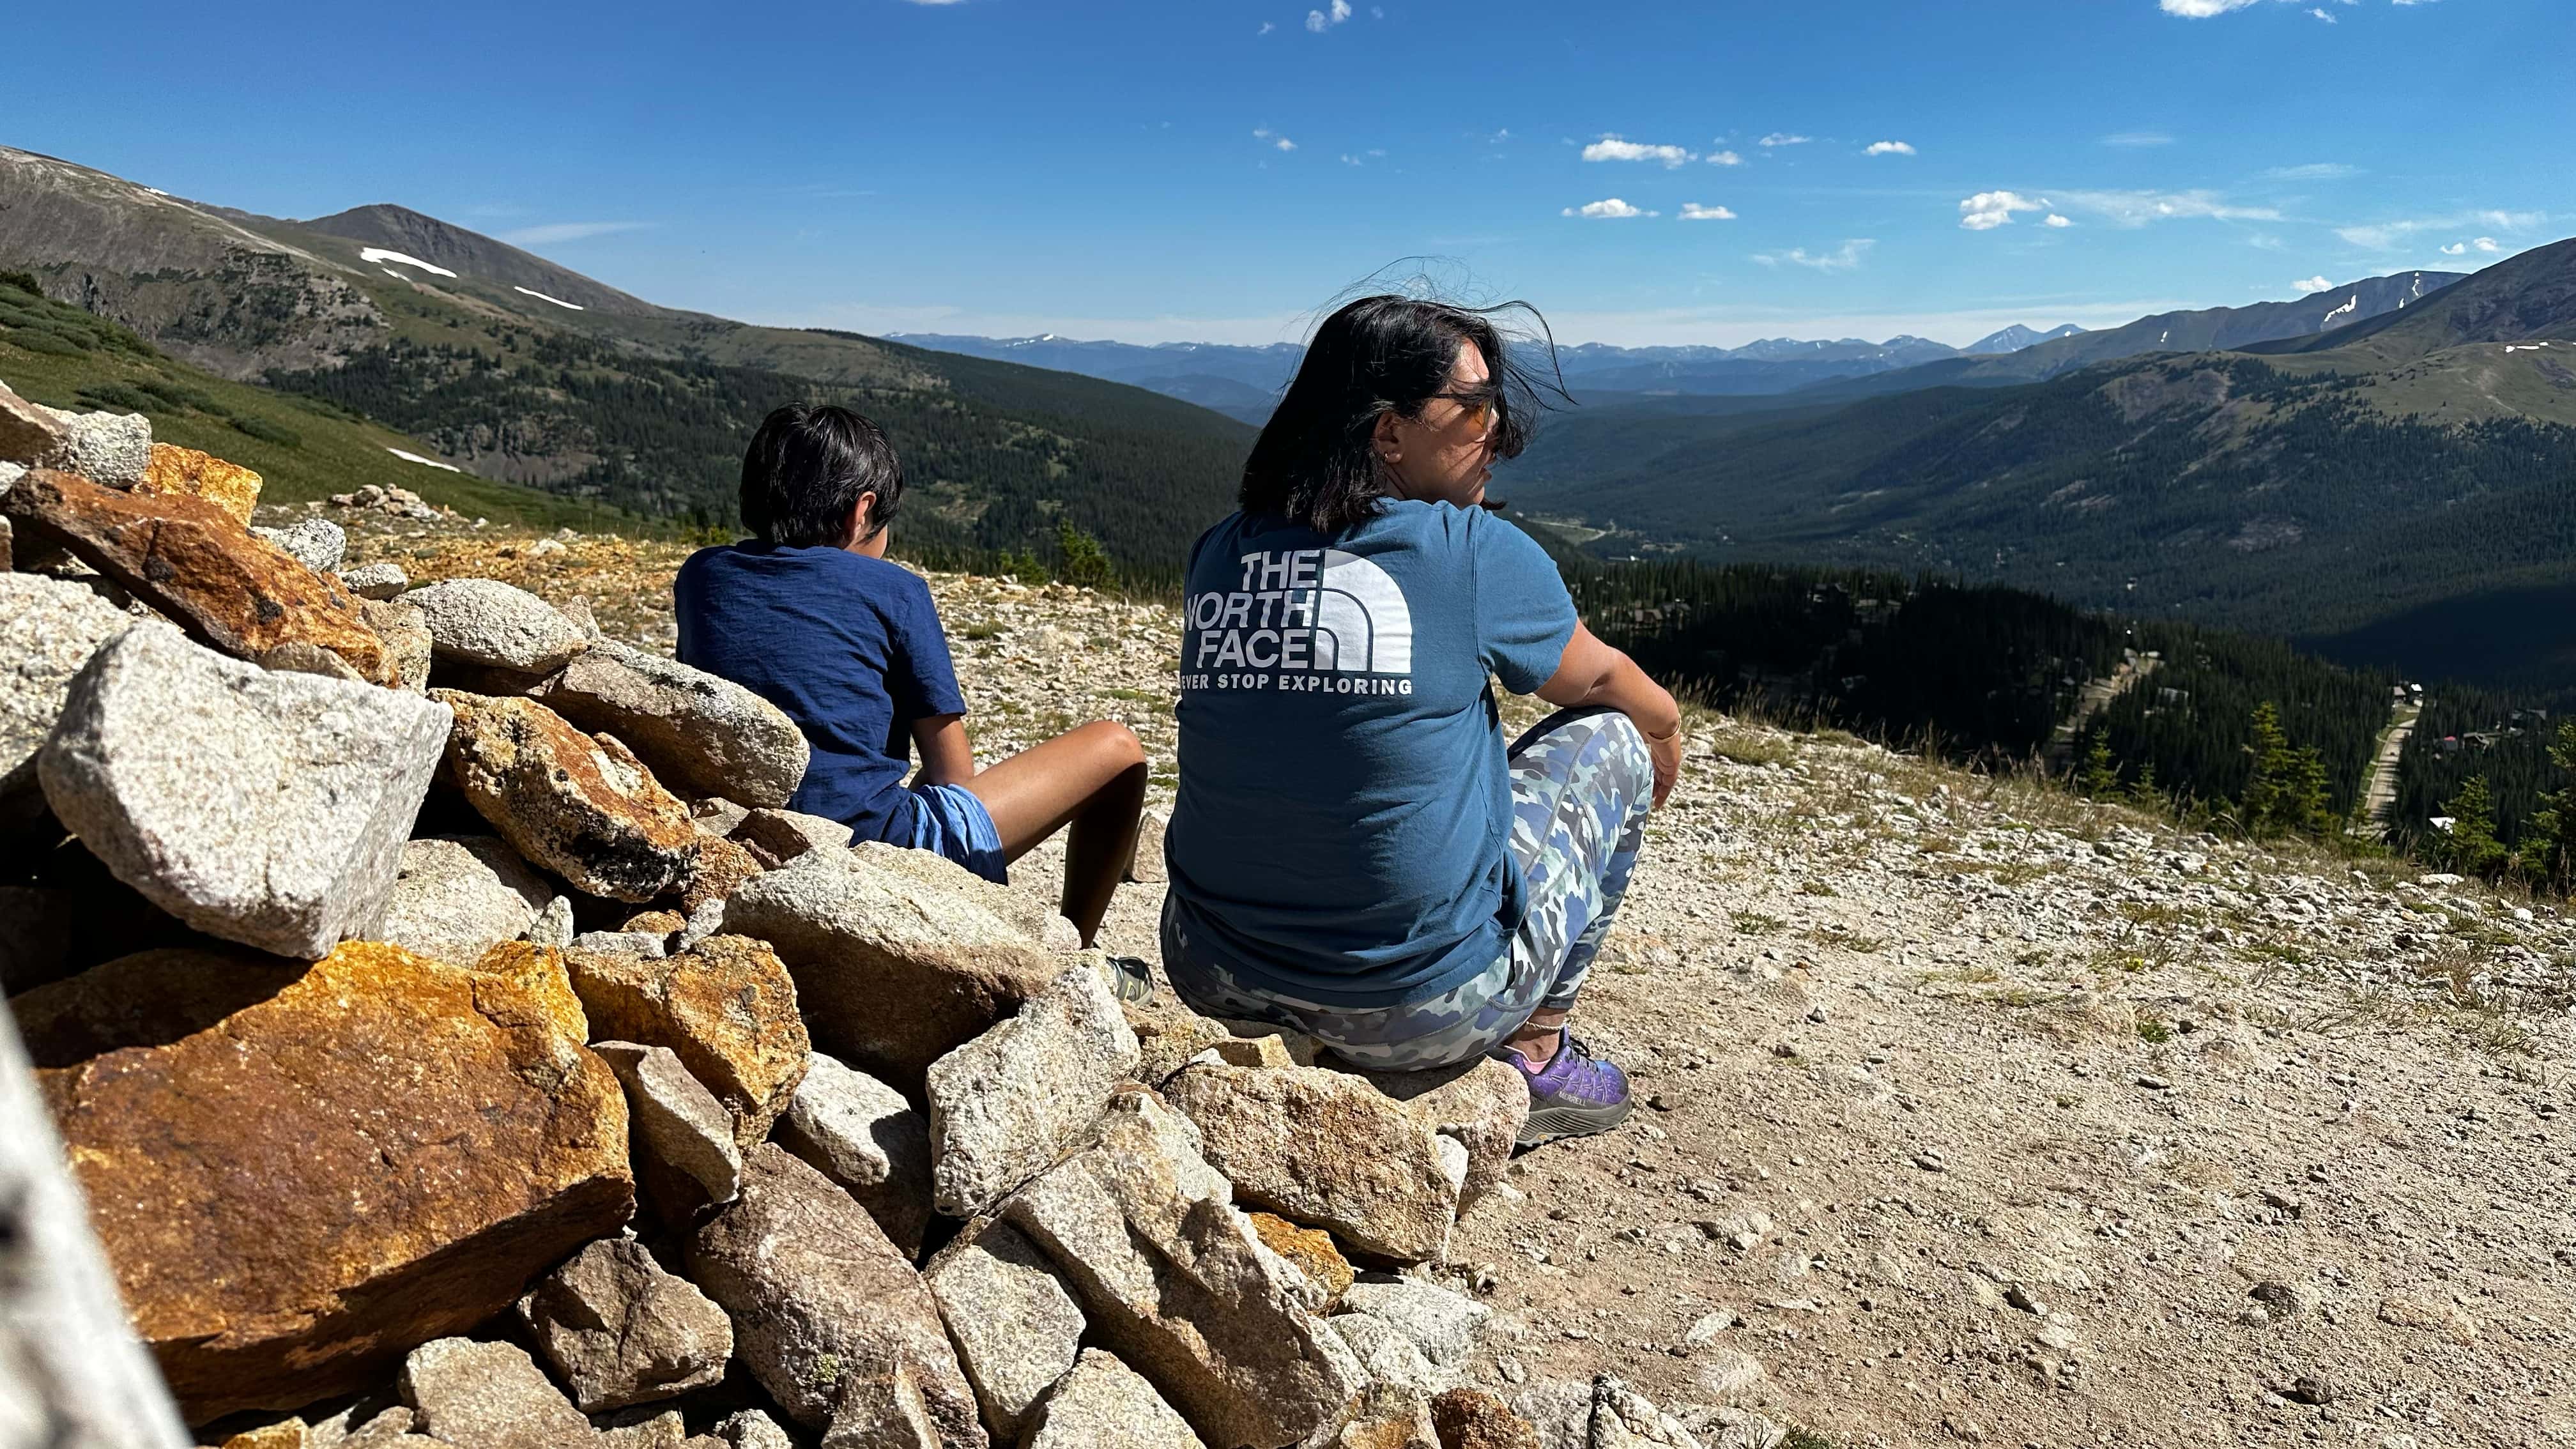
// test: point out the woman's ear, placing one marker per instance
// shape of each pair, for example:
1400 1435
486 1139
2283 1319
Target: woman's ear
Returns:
1389 445
863 517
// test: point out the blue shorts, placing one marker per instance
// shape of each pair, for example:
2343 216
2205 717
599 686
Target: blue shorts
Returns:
948 820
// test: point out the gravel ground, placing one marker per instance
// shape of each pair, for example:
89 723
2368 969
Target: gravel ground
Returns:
1977 1113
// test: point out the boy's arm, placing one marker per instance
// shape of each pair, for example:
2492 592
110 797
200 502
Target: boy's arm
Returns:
947 756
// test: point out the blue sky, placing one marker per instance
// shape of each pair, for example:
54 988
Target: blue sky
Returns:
1219 170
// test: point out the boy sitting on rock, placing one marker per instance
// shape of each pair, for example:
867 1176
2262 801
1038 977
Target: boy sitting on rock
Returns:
809 615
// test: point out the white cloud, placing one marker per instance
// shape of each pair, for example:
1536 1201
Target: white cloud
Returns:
1318 21
2316 171
2388 235
1693 211
564 231
1612 148
1266 28
2314 285
2454 249
1277 141
1724 158
2138 208
1612 209
1350 160
2321 15
2056 220
1843 259
2203 9
1284 144
2134 139
1888 148
1783 138
1990 209
2486 244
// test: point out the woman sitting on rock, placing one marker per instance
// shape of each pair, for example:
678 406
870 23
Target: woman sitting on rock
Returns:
809 616
1354 854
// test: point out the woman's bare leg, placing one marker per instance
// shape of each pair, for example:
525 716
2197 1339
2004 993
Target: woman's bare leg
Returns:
1092 780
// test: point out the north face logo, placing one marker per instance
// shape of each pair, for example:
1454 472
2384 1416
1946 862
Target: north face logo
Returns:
1309 611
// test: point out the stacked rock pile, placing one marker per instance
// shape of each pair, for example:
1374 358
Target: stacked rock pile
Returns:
459 1043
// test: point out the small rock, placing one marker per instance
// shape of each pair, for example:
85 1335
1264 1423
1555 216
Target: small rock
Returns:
2311 1389
317 543
1325 1148
680 1122
622 1331
895 965
717 816
1147 868
29 432
1394 1368
643 945
2287 1202
229 486
827 1316
377 581
2155 1084
2021 1298
1442 1324
1474 1419
1175 1282
1169 1035
1008 1104
1706 1330
487 1396
49 628
457 897
701 734
1481 1104
1015 1323
490 623
193 564
404 633
1311 1252
269 809
578 805
863 1135
775 837
2279 1300
1103 1404
1728 1372
113 450
752 1429
725 1006
553 925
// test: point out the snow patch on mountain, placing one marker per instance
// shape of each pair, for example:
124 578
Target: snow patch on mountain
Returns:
383 254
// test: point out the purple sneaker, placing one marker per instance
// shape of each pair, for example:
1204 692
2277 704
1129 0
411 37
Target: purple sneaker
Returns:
1575 1095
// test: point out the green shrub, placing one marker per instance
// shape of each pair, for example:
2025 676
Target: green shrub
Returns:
23 281
38 339
116 397
268 432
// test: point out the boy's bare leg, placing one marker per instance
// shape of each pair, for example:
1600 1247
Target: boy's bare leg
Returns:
1092 780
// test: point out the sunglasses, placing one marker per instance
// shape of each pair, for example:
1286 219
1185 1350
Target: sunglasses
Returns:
1480 409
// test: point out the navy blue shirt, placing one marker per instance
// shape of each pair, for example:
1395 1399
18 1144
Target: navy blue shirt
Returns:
1342 831
849 646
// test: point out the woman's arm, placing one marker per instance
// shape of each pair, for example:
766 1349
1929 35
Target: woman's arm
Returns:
1593 673
947 757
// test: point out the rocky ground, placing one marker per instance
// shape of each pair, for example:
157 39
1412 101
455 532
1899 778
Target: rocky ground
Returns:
1977 1113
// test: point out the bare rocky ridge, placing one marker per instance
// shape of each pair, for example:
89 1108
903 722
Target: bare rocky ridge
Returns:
1973 1113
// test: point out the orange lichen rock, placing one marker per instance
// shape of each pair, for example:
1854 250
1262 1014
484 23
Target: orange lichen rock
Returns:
302 1173
185 472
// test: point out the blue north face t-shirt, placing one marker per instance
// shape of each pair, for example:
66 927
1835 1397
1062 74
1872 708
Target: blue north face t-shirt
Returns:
850 647
1342 831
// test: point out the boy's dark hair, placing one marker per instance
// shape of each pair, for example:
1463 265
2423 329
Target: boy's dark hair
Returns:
1315 463
807 468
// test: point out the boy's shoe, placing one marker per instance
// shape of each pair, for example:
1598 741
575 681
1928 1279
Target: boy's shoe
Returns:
1575 1095
1129 977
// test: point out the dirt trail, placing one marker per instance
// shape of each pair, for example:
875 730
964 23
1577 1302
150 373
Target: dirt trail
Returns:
2096 696
2382 790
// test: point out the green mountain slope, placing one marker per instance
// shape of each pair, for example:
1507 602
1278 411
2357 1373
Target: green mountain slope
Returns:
303 448
2410 472
519 370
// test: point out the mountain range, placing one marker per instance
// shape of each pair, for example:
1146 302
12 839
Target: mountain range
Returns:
507 366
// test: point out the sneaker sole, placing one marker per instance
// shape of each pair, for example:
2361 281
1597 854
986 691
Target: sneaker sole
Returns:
1554 1124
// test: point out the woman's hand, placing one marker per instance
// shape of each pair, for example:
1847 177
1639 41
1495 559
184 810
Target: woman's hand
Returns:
1593 673
1667 753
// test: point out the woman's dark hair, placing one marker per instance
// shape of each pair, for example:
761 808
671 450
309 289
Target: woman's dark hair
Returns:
806 469
1315 462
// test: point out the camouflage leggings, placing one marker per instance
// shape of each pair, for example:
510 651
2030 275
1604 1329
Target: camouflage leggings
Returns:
1582 782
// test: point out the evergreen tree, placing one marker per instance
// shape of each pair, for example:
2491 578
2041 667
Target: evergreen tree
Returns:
2473 848
1085 561
2101 776
2262 805
2549 836
2144 792
2304 806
